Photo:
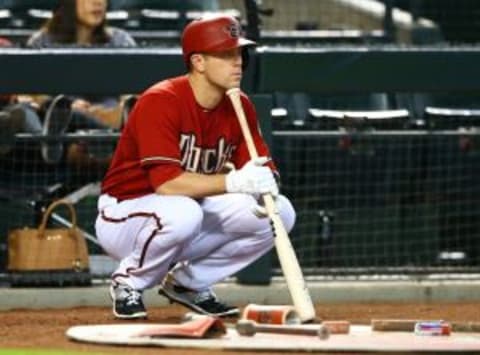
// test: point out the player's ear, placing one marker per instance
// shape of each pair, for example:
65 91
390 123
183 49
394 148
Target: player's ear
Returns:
197 62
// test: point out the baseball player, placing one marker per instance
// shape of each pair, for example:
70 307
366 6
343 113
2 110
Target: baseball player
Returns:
170 212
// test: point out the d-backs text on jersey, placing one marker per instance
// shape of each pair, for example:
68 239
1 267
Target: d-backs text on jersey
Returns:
200 160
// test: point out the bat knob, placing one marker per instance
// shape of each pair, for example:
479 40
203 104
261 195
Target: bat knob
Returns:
245 328
323 332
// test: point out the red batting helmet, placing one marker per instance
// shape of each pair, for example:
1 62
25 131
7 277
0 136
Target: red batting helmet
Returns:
212 34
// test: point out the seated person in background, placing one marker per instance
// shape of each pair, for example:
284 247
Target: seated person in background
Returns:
14 116
44 116
80 24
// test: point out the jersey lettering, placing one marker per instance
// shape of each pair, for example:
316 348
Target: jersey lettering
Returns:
199 160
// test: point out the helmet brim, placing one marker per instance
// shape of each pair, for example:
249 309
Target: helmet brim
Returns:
242 42
238 43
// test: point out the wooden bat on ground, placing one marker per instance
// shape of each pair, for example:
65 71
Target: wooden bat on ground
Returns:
286 254
408 325
247 327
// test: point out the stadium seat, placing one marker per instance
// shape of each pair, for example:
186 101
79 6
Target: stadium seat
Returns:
452 118
29 13
162 15
360 120
290 111
448 111
183 5
415 103
5 18
442 111
118 18
152 19
371 111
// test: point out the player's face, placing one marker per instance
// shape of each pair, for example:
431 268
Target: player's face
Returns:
91 13
224 69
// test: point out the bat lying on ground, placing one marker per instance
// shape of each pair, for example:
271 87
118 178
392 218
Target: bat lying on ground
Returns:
333 326
408 325
250 328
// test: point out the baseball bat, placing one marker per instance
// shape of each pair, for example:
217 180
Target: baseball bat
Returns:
286 254
250 328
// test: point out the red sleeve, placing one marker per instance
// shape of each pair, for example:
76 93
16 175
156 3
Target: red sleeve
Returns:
160 174
242 156
157 127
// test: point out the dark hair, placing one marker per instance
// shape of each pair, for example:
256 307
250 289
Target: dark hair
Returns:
62 26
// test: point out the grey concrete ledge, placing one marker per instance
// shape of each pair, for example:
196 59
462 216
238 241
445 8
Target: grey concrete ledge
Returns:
275 293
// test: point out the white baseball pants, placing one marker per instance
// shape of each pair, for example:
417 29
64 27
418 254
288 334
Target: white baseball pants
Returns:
208 240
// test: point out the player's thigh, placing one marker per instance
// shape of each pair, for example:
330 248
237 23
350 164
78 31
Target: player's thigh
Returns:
234 213
125 226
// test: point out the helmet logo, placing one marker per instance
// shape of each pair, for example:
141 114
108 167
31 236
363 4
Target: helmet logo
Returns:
233 30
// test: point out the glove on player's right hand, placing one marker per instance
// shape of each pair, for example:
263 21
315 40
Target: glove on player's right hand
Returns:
260 210
253 178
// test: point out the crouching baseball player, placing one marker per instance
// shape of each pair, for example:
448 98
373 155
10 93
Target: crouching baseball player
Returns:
169 212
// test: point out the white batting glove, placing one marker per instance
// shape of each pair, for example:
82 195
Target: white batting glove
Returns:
253 179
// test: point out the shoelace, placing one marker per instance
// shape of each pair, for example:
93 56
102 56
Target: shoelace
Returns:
133 297
204 296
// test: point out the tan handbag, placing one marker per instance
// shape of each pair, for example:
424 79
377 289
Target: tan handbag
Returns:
42 249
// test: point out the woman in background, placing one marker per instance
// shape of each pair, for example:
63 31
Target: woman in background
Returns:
82 24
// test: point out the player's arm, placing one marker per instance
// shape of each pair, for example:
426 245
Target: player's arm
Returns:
162 161
253 178
194 185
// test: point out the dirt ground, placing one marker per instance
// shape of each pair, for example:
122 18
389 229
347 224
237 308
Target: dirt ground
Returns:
44 329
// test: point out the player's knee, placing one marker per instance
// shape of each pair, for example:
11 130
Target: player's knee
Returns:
287 212
187 220
256 224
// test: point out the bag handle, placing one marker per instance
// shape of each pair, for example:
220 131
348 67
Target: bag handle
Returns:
72 230
49 211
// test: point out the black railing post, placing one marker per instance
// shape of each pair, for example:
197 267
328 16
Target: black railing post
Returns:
388 25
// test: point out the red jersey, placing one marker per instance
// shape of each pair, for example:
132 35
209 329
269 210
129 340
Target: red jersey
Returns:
168 133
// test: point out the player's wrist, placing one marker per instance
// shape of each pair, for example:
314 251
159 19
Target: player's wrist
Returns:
231 185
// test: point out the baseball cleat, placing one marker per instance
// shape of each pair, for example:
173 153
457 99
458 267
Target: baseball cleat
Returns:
203 302
127 302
